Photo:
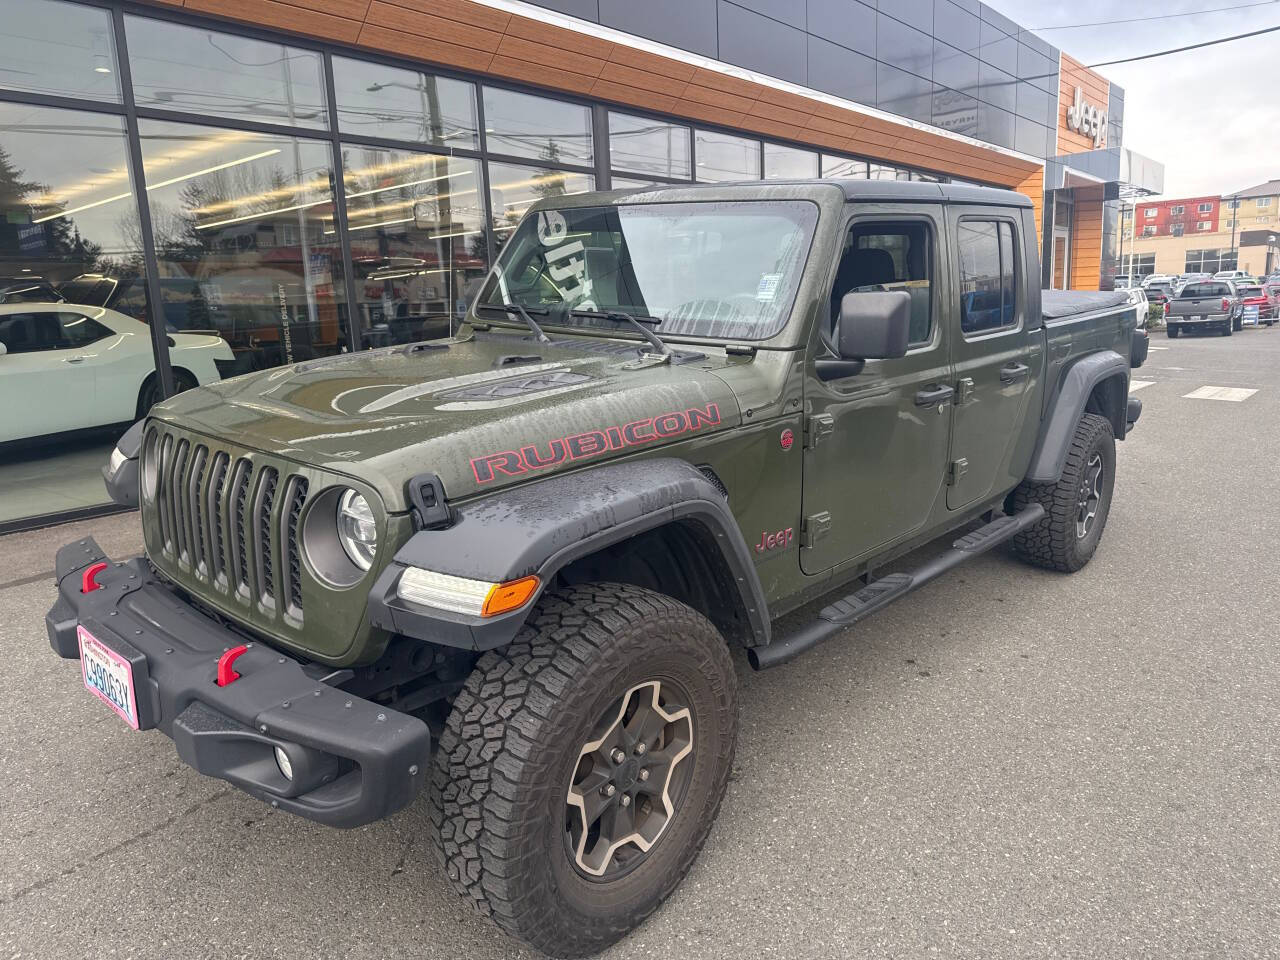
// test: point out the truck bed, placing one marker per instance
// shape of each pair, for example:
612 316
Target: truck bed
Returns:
1061 305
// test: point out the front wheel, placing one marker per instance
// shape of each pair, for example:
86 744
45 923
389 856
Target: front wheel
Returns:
1077 506
582 766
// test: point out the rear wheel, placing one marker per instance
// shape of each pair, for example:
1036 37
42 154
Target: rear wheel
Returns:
1173 331
1077 506
581 767
1227 328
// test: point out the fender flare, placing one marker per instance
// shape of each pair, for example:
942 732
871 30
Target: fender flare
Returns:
1068 405
540 527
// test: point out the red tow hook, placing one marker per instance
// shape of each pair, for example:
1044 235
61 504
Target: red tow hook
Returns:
88 581
226 673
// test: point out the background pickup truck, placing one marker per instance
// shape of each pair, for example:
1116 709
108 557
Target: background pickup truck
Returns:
1205 305
672 417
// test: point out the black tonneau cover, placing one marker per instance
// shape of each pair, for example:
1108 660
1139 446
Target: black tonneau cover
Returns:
1060 304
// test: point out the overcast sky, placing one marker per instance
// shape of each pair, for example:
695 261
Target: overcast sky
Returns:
1209 115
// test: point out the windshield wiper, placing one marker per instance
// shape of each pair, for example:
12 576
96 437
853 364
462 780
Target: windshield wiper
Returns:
519 310
619 315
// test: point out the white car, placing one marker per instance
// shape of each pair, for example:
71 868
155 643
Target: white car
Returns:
68 367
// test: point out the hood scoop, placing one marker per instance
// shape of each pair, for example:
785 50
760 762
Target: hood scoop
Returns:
517 386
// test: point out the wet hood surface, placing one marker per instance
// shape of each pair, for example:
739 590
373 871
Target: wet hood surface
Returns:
480 413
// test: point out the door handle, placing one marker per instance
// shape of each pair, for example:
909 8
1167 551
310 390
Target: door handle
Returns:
933 396
1013 372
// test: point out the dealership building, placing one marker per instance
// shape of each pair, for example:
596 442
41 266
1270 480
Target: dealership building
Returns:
249 183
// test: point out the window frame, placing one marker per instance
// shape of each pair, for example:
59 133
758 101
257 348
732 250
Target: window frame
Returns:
1019 295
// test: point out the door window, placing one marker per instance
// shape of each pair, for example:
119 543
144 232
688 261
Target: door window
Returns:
987 285
30 332
80 331
890 256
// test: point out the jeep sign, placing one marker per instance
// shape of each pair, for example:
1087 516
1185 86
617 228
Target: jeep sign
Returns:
1087 119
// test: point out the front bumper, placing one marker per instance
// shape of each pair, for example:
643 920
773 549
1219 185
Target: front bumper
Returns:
354 761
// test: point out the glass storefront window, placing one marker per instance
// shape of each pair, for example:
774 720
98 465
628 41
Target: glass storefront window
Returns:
416 223
48 46
631 183
789 163
380 101
245 240
641 145
522 125
73 373
722 157
197 70
843 167
514 188
877 171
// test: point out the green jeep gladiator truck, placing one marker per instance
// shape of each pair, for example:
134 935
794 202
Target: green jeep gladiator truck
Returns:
508 568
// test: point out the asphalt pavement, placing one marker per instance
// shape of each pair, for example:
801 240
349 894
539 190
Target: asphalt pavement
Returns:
1009 763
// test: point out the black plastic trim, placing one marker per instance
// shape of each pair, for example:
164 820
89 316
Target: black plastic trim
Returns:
1068 405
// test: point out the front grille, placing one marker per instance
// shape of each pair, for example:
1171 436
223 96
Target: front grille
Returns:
230 524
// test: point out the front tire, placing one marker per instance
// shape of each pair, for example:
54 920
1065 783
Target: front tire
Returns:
610 691
1077 506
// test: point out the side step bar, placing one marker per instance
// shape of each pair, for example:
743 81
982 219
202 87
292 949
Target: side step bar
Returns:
880 593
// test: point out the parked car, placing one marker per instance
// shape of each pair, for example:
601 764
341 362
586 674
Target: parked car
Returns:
1160 292
1205 305
1235 275
66 367
1256 307
1162 278
28 290
531 545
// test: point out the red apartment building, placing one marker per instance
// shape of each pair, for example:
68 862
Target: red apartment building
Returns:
1177 218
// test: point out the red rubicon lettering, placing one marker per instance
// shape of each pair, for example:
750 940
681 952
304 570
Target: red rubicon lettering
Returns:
512 463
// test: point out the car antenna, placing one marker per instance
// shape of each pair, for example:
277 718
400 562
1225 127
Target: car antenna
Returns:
519 310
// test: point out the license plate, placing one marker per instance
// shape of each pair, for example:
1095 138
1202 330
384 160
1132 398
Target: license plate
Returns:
1197 318
108 676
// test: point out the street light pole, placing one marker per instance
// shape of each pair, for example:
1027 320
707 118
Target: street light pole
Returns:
1235 223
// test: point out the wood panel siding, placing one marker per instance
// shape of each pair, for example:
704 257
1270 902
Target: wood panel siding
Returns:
1086 242
470 36
1097 91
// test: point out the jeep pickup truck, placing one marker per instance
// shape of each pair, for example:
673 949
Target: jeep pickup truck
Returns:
1204 305
507 569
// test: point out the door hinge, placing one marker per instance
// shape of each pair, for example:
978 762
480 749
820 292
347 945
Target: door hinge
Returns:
815 528
964 390
817 428
955 470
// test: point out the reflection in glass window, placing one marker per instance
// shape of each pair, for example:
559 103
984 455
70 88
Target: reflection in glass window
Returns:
514 188
877 171
68 211
631 183
987 300
642 145
47 46
526 126
380 101
722 157
789 163
203 71
843 167
245 240
894 255
416 223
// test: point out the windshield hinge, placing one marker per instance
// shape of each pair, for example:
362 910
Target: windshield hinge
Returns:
817 428
815 528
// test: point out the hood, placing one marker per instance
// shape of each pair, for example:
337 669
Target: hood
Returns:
480 413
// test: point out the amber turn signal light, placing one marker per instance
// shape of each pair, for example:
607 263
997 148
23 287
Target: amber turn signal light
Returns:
512 595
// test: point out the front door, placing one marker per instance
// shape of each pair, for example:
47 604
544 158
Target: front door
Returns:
876 442
51 389
995 356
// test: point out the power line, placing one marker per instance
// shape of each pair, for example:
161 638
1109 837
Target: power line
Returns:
1162 16
1192 46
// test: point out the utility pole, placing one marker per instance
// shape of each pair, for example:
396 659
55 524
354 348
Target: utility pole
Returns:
1235 223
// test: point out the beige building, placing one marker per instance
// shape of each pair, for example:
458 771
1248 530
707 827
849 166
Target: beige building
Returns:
1238 231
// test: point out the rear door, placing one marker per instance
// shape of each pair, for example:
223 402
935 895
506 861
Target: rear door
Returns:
876 442
995 351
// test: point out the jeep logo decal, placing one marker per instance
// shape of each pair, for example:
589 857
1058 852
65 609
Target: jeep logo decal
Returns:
512 463
1085 118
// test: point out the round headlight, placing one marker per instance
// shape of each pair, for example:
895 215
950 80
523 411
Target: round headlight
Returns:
357 530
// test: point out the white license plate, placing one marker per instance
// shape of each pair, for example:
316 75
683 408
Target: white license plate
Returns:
1197 318
108 676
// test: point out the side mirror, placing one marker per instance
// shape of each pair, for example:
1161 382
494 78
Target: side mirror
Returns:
873 325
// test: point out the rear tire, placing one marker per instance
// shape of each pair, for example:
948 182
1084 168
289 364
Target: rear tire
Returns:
1076 507
536 728
1173 332
1227 329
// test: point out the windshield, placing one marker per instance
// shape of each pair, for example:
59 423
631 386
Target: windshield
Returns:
724 270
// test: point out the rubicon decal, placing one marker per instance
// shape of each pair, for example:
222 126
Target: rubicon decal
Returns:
664 426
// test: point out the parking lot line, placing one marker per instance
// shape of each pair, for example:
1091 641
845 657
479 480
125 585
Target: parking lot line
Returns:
1135 385
1231 394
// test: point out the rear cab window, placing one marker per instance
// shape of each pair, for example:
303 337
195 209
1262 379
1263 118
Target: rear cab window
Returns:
1199 291
988 276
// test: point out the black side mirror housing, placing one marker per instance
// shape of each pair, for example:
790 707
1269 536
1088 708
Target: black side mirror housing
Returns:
873 325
